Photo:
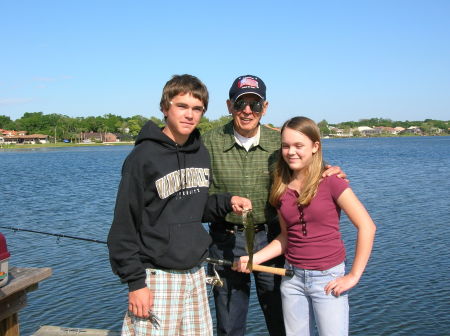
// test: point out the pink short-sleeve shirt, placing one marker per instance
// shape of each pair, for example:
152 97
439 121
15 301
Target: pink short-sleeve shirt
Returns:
322 247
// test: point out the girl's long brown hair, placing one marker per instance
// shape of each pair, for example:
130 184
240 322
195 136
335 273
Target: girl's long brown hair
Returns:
283 175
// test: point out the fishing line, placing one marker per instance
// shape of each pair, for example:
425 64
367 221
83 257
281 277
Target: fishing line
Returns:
212 280
59 235
227 263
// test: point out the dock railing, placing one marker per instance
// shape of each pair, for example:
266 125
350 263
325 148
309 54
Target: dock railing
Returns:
13 296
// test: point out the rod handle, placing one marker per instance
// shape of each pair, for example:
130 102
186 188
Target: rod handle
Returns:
273 270
258 268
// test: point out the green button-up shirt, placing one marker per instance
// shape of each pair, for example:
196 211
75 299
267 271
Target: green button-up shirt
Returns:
242 173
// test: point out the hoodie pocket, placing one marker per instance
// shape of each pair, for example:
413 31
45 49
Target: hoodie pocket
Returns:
188 244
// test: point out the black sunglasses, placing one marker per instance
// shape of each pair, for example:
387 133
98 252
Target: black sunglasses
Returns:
255 106
302 220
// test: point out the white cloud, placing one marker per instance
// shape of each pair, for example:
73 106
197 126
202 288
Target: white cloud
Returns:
14 101
52 79
44 79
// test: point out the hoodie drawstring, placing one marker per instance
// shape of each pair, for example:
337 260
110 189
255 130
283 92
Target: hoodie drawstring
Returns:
182 183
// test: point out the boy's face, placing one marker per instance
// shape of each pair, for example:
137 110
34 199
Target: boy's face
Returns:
182 117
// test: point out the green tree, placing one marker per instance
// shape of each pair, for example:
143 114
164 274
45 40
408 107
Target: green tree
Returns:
134 126
60 126
157 121
93 124
323 127
32 122
348 124
112 122
222 121
7 123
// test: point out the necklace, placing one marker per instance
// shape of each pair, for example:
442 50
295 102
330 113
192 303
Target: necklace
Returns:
302 220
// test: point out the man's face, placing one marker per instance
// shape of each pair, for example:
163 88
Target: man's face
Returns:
245 120
182 117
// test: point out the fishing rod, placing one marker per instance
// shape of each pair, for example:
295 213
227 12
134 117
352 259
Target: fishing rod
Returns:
59 235
258 268
220 262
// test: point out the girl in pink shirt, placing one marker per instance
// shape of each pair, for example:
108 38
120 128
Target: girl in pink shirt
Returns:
309 209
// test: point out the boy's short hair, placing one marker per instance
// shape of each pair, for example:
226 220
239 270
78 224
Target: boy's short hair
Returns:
183 84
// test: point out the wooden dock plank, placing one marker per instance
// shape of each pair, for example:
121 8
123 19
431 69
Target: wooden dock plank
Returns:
12 304
60 331
13 296
23 278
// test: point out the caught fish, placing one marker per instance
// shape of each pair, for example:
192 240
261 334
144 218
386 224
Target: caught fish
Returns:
249 230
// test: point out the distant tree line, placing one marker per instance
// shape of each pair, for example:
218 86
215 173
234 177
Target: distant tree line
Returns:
426 125
64 127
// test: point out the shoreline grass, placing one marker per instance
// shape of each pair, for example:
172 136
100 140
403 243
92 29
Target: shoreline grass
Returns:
129 143
63 145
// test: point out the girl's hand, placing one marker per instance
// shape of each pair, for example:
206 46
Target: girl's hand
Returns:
340 285
241 265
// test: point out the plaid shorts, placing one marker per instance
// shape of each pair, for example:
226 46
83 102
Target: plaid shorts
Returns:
180 302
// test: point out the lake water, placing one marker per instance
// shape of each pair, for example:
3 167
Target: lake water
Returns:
403 182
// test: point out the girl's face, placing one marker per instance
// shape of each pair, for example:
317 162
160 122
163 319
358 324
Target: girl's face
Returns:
297 149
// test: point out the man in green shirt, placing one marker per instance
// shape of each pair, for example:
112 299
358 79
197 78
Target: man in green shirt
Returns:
242 155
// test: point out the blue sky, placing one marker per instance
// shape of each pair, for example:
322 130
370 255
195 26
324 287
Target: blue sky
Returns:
333 60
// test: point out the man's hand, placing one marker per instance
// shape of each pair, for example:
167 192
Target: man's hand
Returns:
140 302
333 170
240 204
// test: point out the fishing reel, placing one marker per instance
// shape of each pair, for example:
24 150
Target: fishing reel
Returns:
214 280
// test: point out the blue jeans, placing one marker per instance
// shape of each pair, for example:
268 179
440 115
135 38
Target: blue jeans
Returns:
306 304
232 300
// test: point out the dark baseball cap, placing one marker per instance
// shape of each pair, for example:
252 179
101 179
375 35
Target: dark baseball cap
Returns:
247 84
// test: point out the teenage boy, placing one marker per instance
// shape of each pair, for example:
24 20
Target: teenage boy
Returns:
242 154
157 241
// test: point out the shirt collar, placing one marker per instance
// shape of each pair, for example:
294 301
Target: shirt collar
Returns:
251 142
230 140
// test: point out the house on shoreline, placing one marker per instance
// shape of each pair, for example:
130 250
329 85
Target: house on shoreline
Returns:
366 131
20 137
98 137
